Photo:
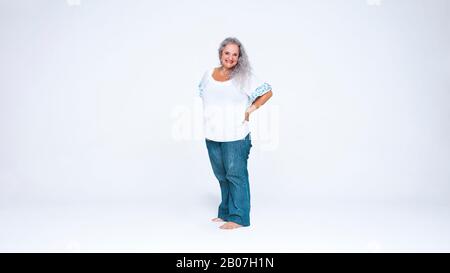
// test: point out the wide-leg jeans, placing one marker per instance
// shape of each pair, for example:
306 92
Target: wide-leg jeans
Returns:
229 164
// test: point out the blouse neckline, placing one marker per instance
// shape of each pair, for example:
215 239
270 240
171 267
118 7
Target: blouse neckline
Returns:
216 81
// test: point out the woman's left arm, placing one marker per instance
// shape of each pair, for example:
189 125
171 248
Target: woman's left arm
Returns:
257 103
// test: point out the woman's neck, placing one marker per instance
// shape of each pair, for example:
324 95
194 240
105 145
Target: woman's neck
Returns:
225 71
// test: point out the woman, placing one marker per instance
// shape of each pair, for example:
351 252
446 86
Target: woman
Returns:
230 93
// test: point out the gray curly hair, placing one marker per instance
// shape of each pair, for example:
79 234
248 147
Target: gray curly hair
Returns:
242 70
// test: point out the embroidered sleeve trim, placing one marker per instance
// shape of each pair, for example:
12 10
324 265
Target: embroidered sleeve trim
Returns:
261 90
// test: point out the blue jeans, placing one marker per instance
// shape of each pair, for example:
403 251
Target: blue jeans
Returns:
229 164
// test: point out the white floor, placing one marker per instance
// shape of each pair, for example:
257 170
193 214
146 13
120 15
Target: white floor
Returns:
185 227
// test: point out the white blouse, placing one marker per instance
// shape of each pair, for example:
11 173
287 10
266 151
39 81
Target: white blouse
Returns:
224 106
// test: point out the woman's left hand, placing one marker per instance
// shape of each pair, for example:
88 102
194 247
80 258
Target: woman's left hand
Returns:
249 110
247 116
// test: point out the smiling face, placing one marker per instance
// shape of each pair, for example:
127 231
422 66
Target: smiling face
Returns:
230 56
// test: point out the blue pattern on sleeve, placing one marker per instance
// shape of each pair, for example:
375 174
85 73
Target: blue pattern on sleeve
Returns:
200 90
261 90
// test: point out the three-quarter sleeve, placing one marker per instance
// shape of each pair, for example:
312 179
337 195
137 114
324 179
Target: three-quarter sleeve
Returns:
257 88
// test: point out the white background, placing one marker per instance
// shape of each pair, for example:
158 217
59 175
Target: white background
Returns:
90 93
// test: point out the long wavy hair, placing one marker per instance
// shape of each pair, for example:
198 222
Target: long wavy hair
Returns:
240 75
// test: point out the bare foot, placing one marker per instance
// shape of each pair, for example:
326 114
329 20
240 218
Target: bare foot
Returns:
217 220
230 225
